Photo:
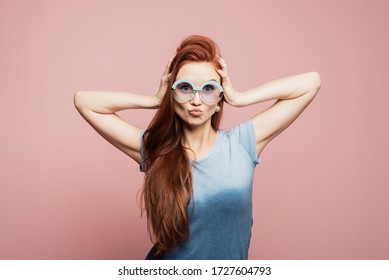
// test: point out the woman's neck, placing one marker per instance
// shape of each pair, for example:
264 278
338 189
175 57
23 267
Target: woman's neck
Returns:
199 139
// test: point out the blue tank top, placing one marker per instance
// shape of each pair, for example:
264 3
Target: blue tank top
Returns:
220 212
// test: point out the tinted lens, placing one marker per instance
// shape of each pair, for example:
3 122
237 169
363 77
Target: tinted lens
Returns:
183 91
211 93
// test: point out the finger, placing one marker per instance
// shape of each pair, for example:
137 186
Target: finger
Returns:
222 60
222 74
172 57
223 64
167 68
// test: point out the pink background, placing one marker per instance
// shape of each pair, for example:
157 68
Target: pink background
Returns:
321 191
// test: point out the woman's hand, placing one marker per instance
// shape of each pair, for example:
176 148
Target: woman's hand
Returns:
165 79
230 94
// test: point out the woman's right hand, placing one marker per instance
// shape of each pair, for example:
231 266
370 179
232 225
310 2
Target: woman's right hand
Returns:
165 79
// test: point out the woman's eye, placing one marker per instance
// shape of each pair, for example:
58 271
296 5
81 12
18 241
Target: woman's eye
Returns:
185 88
208 88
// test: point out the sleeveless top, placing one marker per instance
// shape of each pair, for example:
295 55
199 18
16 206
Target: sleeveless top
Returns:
220 211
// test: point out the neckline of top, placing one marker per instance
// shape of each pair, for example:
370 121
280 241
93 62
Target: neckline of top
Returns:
210 153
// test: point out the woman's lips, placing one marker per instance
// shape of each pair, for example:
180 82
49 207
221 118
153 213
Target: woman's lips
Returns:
195 112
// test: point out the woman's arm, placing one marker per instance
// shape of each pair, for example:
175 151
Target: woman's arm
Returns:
99 109
293 94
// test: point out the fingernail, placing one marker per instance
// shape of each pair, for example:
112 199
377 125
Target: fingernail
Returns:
178 48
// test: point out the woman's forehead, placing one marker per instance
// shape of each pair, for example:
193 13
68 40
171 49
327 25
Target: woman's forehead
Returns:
198 72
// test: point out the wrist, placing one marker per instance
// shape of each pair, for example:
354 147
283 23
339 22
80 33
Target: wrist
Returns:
236 100
156 101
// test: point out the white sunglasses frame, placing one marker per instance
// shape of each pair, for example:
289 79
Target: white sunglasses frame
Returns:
198 89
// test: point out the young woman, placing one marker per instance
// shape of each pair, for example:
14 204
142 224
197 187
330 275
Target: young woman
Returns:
197 190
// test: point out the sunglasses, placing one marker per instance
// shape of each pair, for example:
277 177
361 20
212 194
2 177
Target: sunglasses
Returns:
184 90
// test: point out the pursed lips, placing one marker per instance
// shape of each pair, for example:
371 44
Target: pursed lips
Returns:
195 112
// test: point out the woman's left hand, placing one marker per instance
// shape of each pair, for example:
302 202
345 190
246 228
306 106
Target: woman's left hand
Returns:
230 94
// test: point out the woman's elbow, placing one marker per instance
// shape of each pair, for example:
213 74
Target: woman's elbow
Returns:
315 80
78 99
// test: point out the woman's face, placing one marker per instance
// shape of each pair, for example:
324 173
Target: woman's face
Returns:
195 112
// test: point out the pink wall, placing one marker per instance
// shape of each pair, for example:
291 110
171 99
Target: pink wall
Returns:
321 191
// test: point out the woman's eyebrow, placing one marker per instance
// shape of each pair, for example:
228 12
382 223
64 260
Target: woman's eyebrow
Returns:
211 80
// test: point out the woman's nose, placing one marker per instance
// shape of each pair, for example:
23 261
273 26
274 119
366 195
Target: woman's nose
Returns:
196 100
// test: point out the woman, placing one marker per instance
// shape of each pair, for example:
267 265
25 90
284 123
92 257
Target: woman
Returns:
197 190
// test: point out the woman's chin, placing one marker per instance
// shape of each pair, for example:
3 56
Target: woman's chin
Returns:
195 121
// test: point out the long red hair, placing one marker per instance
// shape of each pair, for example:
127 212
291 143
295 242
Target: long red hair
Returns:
167 188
